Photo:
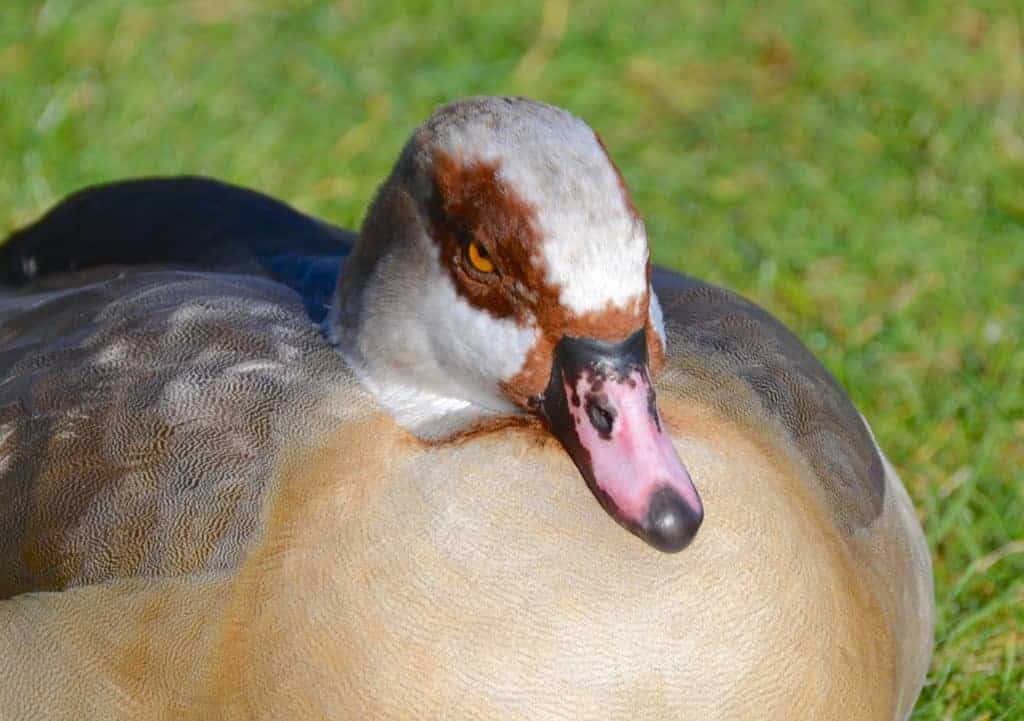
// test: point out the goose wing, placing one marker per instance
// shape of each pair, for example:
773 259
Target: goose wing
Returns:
193 221
728 351
157 358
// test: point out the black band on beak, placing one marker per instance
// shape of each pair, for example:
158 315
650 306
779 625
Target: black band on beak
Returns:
572 358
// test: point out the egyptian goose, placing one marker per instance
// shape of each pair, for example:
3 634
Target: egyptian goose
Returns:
233 488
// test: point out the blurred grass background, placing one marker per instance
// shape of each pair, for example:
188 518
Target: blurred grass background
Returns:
857 168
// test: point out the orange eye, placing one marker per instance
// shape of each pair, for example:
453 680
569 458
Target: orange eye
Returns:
478 258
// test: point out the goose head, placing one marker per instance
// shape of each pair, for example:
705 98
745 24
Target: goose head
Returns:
503 269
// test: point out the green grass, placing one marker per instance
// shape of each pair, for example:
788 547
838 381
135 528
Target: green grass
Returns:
857 168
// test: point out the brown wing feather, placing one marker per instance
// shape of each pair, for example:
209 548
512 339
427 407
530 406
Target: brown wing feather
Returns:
141 416
727 337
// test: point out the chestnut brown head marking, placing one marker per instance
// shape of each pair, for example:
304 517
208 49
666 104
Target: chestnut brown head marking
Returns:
471 204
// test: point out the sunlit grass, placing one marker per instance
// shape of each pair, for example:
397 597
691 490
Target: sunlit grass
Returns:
857 168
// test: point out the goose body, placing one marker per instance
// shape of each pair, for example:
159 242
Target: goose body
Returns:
231 488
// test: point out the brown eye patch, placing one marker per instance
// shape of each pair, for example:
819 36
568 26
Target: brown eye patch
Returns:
486 233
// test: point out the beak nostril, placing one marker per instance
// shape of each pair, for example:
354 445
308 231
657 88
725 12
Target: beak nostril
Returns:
601 414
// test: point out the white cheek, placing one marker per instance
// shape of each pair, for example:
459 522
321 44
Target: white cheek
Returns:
422 335
477 350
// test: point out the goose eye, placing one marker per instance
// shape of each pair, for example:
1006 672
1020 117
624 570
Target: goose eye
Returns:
478 258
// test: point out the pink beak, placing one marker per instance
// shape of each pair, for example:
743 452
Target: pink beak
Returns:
601 405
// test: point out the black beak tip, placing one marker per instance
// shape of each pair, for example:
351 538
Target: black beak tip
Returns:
671 523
